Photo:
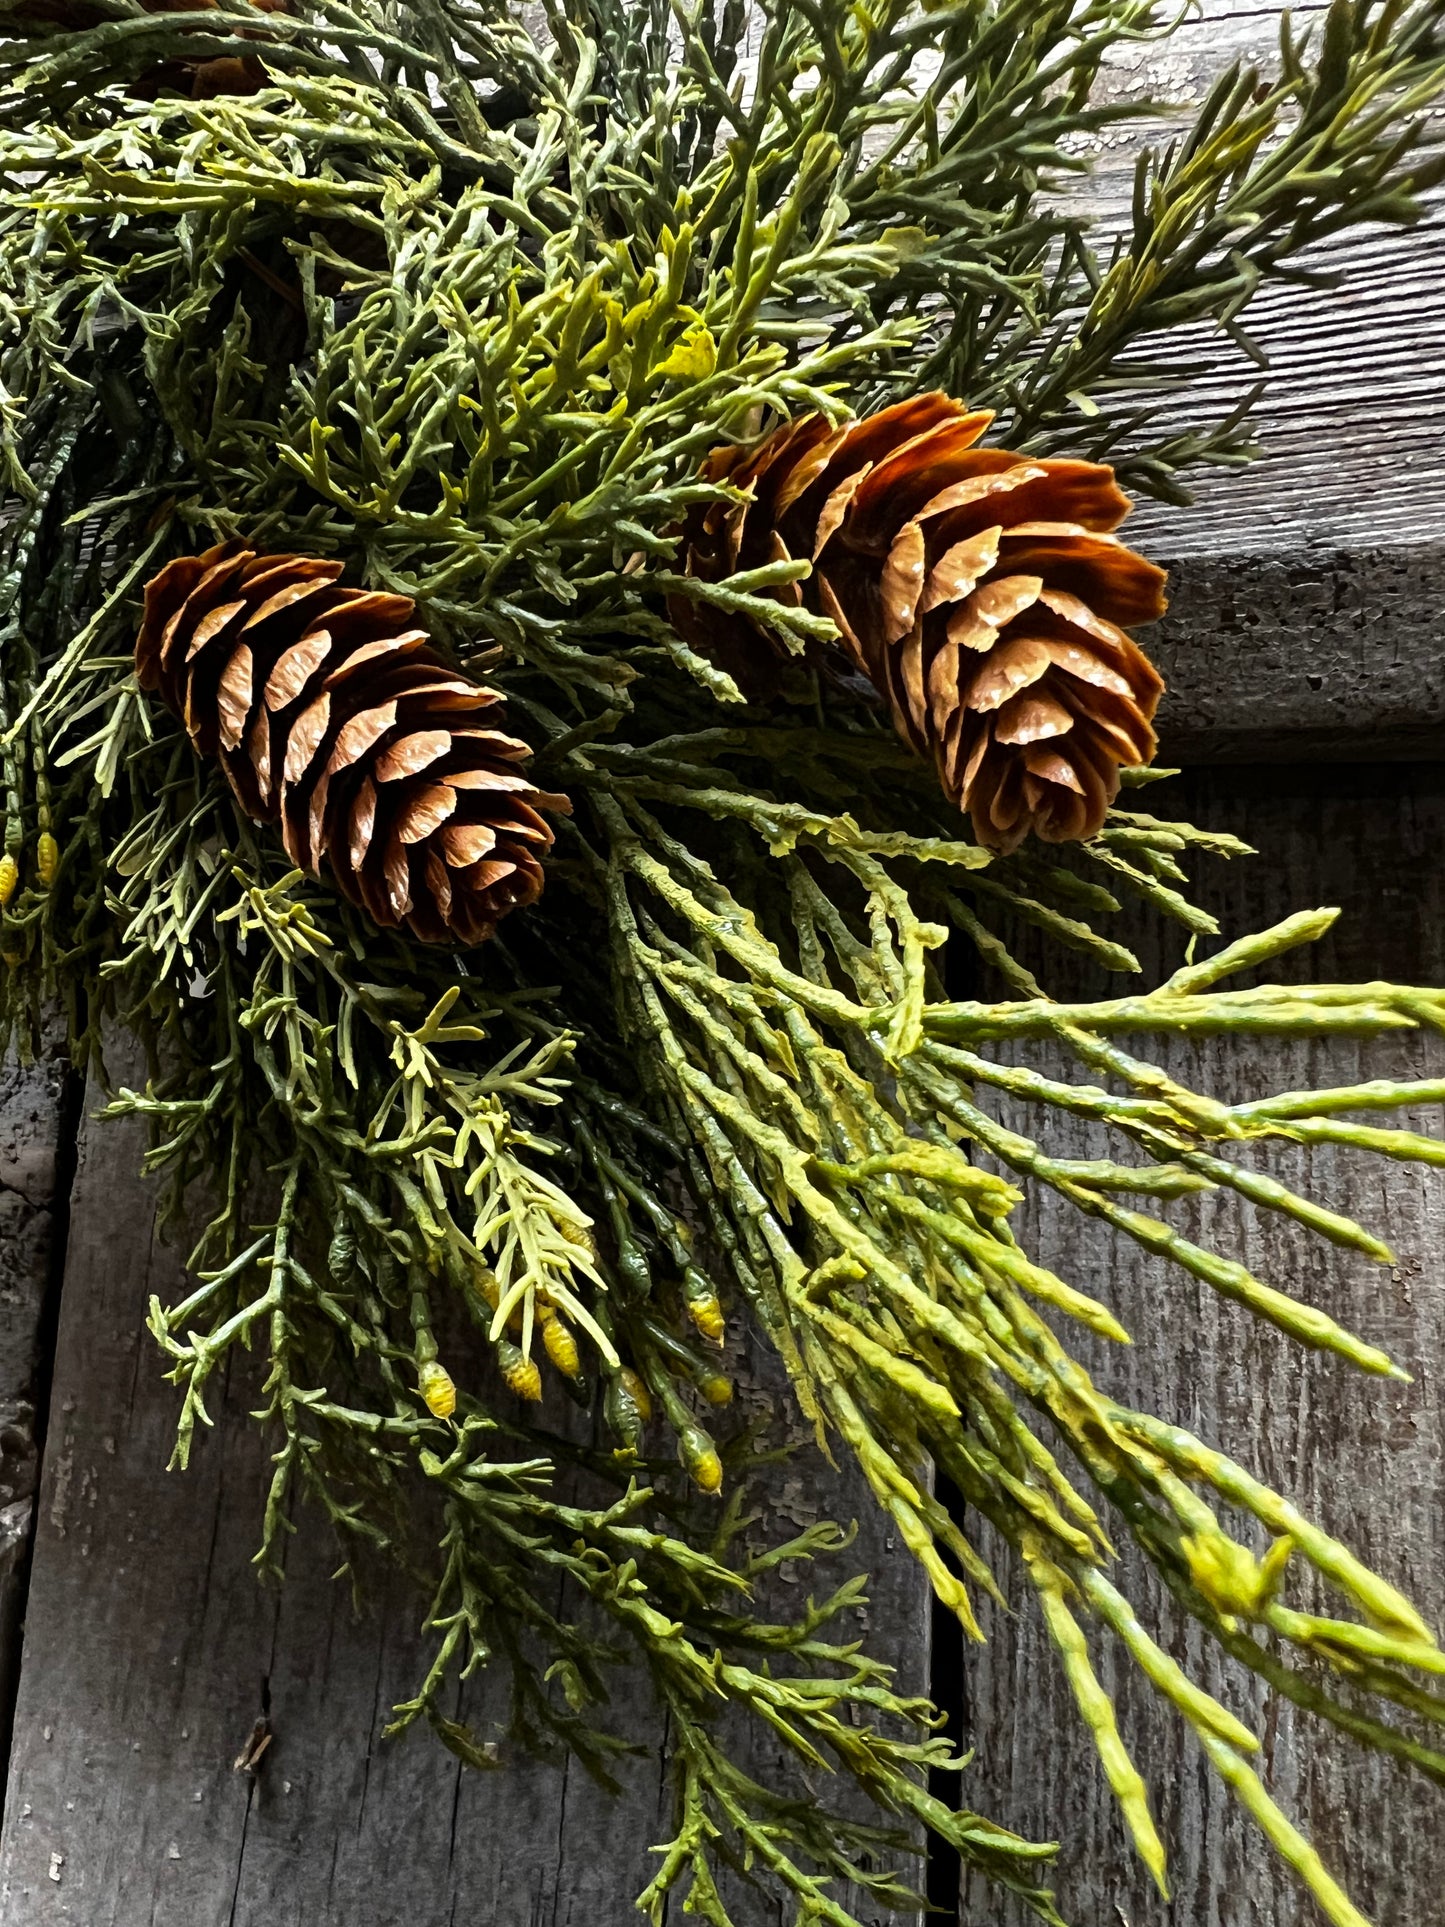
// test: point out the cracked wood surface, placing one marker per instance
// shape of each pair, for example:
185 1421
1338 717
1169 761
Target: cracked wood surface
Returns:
34 1123
1306 587
1352 414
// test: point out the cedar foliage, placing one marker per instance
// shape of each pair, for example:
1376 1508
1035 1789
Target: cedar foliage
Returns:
462 301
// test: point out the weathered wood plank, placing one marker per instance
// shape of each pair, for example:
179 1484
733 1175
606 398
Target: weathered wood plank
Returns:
1305 586
37 1125
1366 1457
1304 657
1351 420
151 1650
1350 424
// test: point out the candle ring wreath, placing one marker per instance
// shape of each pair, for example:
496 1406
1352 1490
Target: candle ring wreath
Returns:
568 669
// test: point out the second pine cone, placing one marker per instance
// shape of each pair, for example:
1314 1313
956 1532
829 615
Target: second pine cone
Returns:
981 592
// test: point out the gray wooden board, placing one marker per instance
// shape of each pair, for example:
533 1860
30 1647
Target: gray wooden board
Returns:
151 1648
1352 413
1366 1457
35 1124
1303 657
1306 587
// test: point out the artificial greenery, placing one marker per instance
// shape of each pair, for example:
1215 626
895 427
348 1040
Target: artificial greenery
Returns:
463 298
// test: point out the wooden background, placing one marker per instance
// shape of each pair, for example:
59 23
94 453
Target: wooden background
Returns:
137 1649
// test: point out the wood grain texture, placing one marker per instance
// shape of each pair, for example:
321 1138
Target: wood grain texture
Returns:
1299 657
151 1649
36 1123
1366 1457
1305 587
1353 417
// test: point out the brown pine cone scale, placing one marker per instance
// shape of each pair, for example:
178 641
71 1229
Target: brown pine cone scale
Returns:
982 593
329 715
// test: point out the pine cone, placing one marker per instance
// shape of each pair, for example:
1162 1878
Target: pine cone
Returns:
328 713
979 591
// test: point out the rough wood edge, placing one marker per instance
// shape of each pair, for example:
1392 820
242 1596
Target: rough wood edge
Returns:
39 1123
1304 657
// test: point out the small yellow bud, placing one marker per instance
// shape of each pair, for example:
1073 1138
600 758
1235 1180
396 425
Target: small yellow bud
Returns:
521 1374
707 1315
9 878
699 1455
637 1392
706 1470
486 1284
47 859
1230 1577
579 1235
702 1305
434 1382
717 1390
560 1345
